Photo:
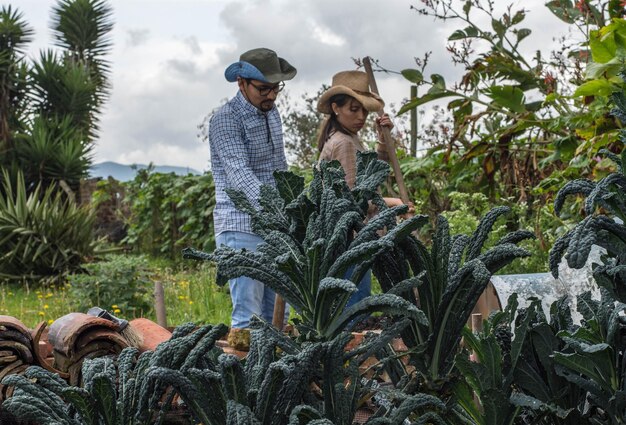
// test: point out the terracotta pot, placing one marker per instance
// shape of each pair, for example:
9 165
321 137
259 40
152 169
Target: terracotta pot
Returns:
223 344
151 333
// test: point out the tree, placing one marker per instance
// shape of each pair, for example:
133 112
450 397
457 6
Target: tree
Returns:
50 135
14 36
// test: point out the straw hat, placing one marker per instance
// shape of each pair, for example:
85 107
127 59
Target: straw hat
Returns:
352 83
260 64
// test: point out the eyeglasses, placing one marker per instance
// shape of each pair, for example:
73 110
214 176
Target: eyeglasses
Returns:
265 90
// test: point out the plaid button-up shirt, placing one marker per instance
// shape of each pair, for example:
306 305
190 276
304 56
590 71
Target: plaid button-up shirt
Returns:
246 147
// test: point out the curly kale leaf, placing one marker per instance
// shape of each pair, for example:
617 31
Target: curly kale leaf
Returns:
289 185
481 234
235 263
459 244
304 415
556 253
233 379
602 194
583 237
37 403
575 187
502 255
208 408
240 414
340 239
516 237
384 303
456 305
332 296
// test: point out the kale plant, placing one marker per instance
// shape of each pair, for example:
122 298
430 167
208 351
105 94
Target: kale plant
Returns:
515 377
445 281
280 382
127 390
313 237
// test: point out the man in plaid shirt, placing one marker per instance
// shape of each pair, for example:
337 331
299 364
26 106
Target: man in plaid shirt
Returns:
246 143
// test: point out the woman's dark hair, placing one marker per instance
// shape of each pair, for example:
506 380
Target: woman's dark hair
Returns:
330 124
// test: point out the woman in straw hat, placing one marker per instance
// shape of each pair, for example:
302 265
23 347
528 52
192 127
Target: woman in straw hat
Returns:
347 104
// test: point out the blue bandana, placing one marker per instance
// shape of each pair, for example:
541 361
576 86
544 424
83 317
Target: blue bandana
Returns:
244 70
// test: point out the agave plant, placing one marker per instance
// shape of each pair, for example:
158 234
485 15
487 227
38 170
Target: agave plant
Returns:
312 238
445 281
42 235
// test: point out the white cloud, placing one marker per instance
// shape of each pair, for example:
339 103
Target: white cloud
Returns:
327 36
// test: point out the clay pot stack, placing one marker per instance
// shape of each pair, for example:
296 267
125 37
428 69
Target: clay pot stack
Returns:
76 337
17 350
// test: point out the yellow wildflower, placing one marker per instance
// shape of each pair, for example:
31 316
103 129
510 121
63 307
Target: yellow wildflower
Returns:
117 310
45 306
41 313
50 321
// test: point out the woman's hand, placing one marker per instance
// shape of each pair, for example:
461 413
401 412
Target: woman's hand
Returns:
394 202
384 121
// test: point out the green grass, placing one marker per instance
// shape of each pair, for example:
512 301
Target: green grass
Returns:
33 305
191 295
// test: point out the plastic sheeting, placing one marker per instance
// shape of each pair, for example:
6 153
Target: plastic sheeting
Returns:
571 282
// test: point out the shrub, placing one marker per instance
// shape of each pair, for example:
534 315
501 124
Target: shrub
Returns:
169 212
118 283
42 235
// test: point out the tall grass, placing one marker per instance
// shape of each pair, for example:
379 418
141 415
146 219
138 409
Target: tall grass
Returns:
191 295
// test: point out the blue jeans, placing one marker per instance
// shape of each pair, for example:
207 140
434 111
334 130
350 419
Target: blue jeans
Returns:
364 287
249 296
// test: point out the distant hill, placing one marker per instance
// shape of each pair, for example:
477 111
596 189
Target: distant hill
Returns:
125 173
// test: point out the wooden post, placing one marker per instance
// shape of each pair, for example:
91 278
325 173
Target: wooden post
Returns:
477 326
278 319
413 124
159 304
477 323
390 146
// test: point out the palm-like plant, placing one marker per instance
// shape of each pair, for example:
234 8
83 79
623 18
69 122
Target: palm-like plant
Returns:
52 150
14 36
81 28
64 89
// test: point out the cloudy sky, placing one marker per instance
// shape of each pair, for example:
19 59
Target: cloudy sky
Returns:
169 57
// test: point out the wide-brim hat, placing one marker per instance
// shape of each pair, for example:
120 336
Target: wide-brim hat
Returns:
352 83
261 64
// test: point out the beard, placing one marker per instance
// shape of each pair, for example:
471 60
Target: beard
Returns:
266 105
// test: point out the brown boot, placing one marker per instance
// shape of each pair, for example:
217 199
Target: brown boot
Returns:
239 339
